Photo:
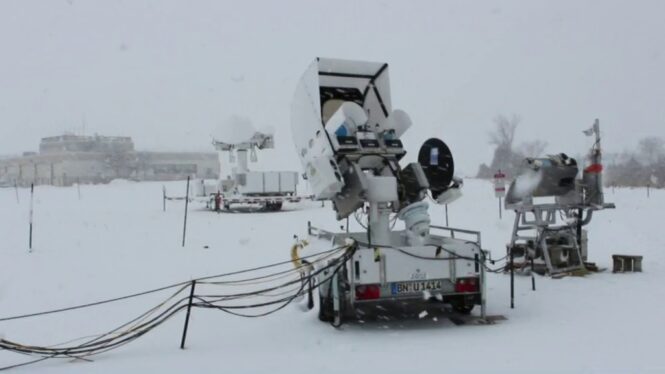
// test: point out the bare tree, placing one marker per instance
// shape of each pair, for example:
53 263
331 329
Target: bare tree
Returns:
652 149
504 134
533 148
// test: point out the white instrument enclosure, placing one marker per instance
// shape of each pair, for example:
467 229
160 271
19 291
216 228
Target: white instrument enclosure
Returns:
381 189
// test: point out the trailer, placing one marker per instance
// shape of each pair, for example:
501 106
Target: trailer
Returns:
403 279
245 189
348 139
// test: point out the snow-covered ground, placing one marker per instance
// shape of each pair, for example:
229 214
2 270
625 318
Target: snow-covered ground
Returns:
115 240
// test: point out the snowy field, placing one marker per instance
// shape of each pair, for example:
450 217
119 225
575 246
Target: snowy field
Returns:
115 240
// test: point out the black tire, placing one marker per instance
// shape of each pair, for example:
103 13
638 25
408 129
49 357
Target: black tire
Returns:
326 313
462 304
463 308
273 206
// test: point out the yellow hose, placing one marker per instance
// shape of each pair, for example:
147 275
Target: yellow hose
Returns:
295 256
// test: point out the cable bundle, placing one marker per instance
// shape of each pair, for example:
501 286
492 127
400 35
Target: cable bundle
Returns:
265 294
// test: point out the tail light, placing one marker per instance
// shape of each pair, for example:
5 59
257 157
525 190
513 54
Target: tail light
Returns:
466 285
368 292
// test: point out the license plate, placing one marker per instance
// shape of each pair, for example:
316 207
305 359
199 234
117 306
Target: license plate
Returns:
403 288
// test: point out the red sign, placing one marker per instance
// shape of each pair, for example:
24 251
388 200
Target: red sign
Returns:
499 184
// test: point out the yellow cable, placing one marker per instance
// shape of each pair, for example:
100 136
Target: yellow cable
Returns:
295 256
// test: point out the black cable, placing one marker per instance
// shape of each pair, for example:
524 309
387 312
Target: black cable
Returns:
79 351
296 269
67 351
267 266
88 348
112 340
274 288
93 303
83 346
301 280
287 300
331 279
23 364
156 289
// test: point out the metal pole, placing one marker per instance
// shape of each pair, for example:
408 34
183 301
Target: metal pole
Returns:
483 301
189 309
580 212
16 189
533 277
500 217
164 198
512 280
446 205
32 195
648 187
184 225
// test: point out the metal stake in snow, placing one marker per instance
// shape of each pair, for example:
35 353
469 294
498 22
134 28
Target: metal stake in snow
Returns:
164 198
189 309
648 190
533 277
184 225
500 215
32 195
16 189
512 278
446 205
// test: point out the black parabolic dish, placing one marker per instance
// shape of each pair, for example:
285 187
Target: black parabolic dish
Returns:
437 163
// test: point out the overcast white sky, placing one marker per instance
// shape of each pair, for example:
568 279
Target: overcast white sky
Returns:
168 73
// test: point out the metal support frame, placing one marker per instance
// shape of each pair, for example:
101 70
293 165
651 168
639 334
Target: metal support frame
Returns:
542 226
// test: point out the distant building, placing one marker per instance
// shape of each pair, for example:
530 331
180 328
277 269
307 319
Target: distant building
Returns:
68 159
